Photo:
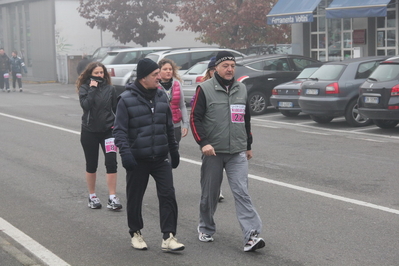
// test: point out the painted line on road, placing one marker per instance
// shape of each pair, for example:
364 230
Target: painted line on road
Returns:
43 254
317 133
354 132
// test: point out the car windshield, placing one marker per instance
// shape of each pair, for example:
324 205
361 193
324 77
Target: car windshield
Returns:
328 72
307 72
109 58
153 57
385 72
197 69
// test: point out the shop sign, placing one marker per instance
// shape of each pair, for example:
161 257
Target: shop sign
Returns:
359 36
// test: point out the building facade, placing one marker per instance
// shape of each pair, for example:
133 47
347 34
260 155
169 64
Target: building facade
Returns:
331 30
47 33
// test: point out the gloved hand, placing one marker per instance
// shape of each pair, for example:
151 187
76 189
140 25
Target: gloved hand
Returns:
175 158
128 161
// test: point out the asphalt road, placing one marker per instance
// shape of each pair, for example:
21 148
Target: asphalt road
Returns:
327 194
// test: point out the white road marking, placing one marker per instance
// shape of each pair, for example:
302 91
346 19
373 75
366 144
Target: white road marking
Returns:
43 254
351 131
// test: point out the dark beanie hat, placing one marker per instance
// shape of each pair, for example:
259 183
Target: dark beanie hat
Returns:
223 56
145 67
212 62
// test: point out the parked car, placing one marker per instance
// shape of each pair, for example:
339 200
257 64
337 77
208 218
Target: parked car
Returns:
191 78
186 58
101 52
120 63
379 95
261 74
333 90
285 96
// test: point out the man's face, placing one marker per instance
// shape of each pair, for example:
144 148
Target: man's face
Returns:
1 51
152 80
226 69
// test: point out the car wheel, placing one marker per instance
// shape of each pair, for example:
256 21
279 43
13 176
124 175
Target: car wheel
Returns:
289 113
354 118
322 119
258 103
385 123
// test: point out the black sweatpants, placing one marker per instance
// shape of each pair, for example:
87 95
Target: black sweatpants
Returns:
136 185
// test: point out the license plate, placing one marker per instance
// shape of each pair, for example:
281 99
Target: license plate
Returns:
187 82
371 99
285 104
312 91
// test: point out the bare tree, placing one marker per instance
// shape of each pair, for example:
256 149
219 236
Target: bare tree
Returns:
133 20
232 23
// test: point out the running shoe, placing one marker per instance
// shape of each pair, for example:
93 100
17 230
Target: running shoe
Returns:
138 241
204 237
254 242
114 204
171 244
94 203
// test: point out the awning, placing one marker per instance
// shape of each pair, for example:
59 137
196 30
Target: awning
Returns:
357 8
292 11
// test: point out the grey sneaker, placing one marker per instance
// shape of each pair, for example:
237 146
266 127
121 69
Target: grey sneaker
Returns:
8 90
114 204
221 197
138 241
254 242
94 203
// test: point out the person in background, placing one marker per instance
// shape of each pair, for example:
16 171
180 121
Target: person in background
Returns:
17 65
5 69
220 122
82 64
98 100
170 83
144 134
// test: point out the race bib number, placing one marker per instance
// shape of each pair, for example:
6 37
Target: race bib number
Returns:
6 75
18 75
237 113
110 145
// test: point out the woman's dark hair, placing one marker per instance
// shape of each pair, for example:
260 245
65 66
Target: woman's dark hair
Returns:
85 75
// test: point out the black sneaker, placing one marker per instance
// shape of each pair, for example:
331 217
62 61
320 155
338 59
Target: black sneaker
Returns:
94 203
114 204
254 243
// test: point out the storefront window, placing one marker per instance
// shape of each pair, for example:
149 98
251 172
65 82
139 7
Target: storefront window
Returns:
387 31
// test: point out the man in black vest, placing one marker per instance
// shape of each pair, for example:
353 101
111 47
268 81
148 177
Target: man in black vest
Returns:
144 134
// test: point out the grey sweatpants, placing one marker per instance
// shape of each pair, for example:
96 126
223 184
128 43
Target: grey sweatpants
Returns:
236 167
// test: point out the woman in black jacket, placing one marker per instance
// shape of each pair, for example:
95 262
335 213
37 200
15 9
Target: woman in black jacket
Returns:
98 99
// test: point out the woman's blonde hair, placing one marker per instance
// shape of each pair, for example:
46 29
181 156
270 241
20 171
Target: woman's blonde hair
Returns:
85 75
175 68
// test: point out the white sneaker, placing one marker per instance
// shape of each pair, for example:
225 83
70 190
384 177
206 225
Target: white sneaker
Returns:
138 241
204 237
114 204
171 244
94 203
254 243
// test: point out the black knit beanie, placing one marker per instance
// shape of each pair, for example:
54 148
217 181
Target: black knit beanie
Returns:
145 67
224 56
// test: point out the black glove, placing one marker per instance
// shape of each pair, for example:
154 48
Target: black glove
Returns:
128 161
175 158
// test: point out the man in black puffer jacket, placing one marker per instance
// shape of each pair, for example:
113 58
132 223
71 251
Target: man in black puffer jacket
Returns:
144 134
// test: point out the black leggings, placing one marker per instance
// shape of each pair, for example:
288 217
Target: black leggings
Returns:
15 79
90 142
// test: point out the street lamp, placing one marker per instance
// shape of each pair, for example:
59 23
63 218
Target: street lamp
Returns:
100 20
